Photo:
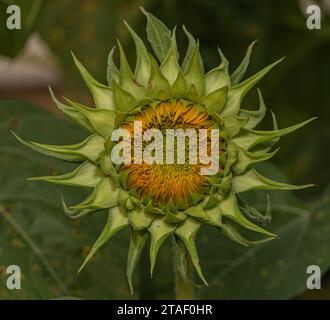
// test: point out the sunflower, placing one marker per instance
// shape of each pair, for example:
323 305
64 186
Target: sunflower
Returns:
159 200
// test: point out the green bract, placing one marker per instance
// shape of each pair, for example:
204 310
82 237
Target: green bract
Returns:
153 82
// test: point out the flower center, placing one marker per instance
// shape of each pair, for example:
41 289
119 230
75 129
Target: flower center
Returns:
174 181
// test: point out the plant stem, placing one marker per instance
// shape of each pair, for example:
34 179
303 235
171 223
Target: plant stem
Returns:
184 288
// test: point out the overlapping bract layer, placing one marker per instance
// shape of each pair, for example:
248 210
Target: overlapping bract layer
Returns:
217 92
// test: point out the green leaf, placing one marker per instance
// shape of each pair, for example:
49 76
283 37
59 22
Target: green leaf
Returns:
158 34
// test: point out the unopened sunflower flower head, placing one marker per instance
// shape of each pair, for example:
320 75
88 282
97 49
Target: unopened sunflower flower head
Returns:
170 148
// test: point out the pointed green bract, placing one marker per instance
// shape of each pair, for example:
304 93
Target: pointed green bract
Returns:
251 138
159 232
127 82
102 94
170 67
87 175
180 252
239 73
193 95
187 233
195 74
233 125
254 180
231 232
197 212
105 195
158 84
191 46
124 101
214 216
179 87
72 113
229 208
137 242
140 219
245 159
255 117
216 79
224 60
255 214
215 101
101 120
174 218
74 213
117 220
143 66
89 149
238 92
112 70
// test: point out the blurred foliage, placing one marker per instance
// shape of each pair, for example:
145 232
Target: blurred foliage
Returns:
297 90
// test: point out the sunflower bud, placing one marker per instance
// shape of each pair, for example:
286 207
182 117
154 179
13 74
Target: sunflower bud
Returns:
170 182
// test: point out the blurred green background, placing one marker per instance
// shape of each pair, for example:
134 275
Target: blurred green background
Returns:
35 234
